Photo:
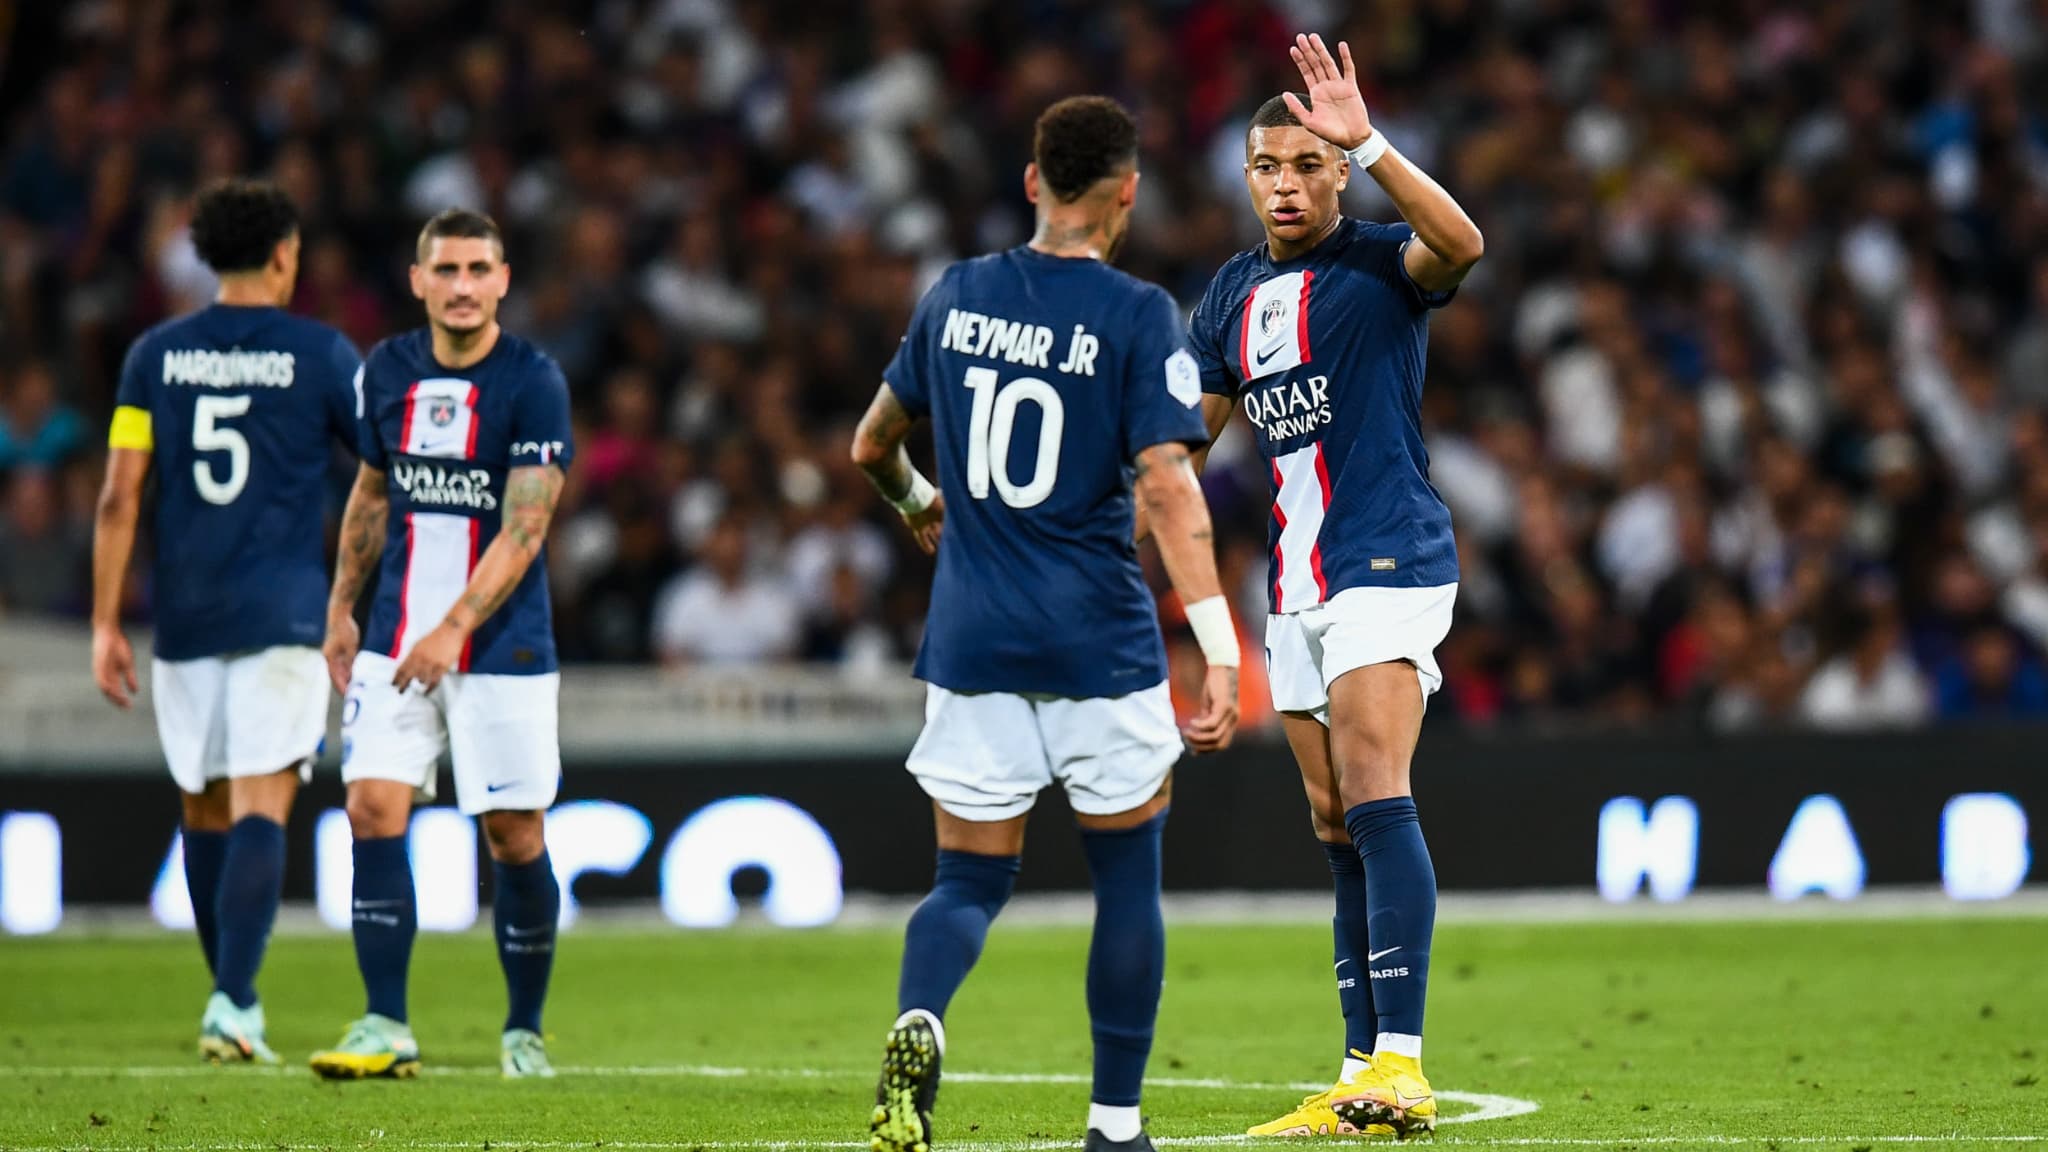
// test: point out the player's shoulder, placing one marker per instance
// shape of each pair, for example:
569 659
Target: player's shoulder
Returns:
1368 236
530 362
398 352
1231 284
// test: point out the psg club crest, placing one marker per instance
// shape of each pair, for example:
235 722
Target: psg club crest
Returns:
1271 315
441 412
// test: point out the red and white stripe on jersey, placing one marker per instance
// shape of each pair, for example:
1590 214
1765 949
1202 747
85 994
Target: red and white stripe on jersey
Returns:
1301 501
440 419
441 550
1274 337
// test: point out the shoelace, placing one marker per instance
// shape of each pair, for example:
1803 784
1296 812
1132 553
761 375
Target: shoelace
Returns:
361 1036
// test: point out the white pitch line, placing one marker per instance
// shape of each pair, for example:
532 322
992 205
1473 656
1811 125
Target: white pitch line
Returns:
375 1140
1485 1106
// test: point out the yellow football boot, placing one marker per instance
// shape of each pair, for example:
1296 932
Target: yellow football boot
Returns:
1392 1093
1316 1117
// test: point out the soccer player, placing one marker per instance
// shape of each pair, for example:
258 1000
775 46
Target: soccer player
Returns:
1318 334
465 435
1053 382
238 404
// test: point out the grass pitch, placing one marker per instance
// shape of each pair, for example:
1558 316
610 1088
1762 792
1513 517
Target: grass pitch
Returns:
1846 1034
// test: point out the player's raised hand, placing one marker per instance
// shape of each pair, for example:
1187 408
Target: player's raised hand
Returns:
1337 111
430 659
113 666
1213 729
344 637
925 526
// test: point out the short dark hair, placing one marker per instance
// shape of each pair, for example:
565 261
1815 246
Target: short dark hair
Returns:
458 223
237 224
1081 140
1274 113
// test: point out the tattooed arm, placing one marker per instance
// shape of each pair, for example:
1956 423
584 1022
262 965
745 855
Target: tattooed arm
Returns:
1172 500
878 450
361 545
530 495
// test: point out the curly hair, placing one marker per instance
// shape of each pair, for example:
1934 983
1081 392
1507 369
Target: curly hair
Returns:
458 223
236 224
1081 140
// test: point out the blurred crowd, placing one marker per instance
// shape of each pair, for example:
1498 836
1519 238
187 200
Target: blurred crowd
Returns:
1744 417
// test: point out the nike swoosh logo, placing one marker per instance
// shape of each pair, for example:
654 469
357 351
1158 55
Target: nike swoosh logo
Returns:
365 905
1344 961
522 935
1372 956
498 787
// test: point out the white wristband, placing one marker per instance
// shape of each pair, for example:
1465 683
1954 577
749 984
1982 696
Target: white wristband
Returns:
1369 150
1210 620
919 497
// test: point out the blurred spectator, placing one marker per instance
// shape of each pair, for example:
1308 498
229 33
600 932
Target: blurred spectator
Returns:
1871 684
1991 676
36 429
720 612
43 557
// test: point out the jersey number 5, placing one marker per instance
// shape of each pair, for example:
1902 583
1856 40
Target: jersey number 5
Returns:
209 436
988 437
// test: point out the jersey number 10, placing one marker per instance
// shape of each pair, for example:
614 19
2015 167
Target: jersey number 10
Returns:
988 437
210 436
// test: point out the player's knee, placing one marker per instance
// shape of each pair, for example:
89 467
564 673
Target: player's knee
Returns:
375 815
514 837
1325 815
1369 769
208 811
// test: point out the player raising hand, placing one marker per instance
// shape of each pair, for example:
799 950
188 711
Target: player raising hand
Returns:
1318 336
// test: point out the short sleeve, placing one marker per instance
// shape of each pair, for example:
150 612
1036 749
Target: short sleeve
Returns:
345 392
1382 247
905 374
1206 341
540 420
1162 380
133 424
369 440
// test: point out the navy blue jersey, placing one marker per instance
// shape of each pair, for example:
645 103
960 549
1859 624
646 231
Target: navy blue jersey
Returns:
1044 377
239 407
445 439
1323 355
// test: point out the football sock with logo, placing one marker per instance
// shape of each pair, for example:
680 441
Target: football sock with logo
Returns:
203 853
947 931
525 906
1126 960
1400 886
384 922
1354 988
252 880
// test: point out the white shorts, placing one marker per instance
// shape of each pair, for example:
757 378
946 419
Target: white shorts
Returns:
502 732
224 717
1307 650
984 756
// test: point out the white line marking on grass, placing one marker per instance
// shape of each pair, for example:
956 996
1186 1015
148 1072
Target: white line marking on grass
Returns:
515 1145
1485 1106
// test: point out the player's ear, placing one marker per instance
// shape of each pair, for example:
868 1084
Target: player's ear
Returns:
1031 181
1127 194
419 285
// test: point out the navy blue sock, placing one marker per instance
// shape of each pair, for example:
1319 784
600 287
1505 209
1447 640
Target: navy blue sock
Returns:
1354 988
384 922
1126 957
251 881
946 932
524 907
1400 885
203 853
